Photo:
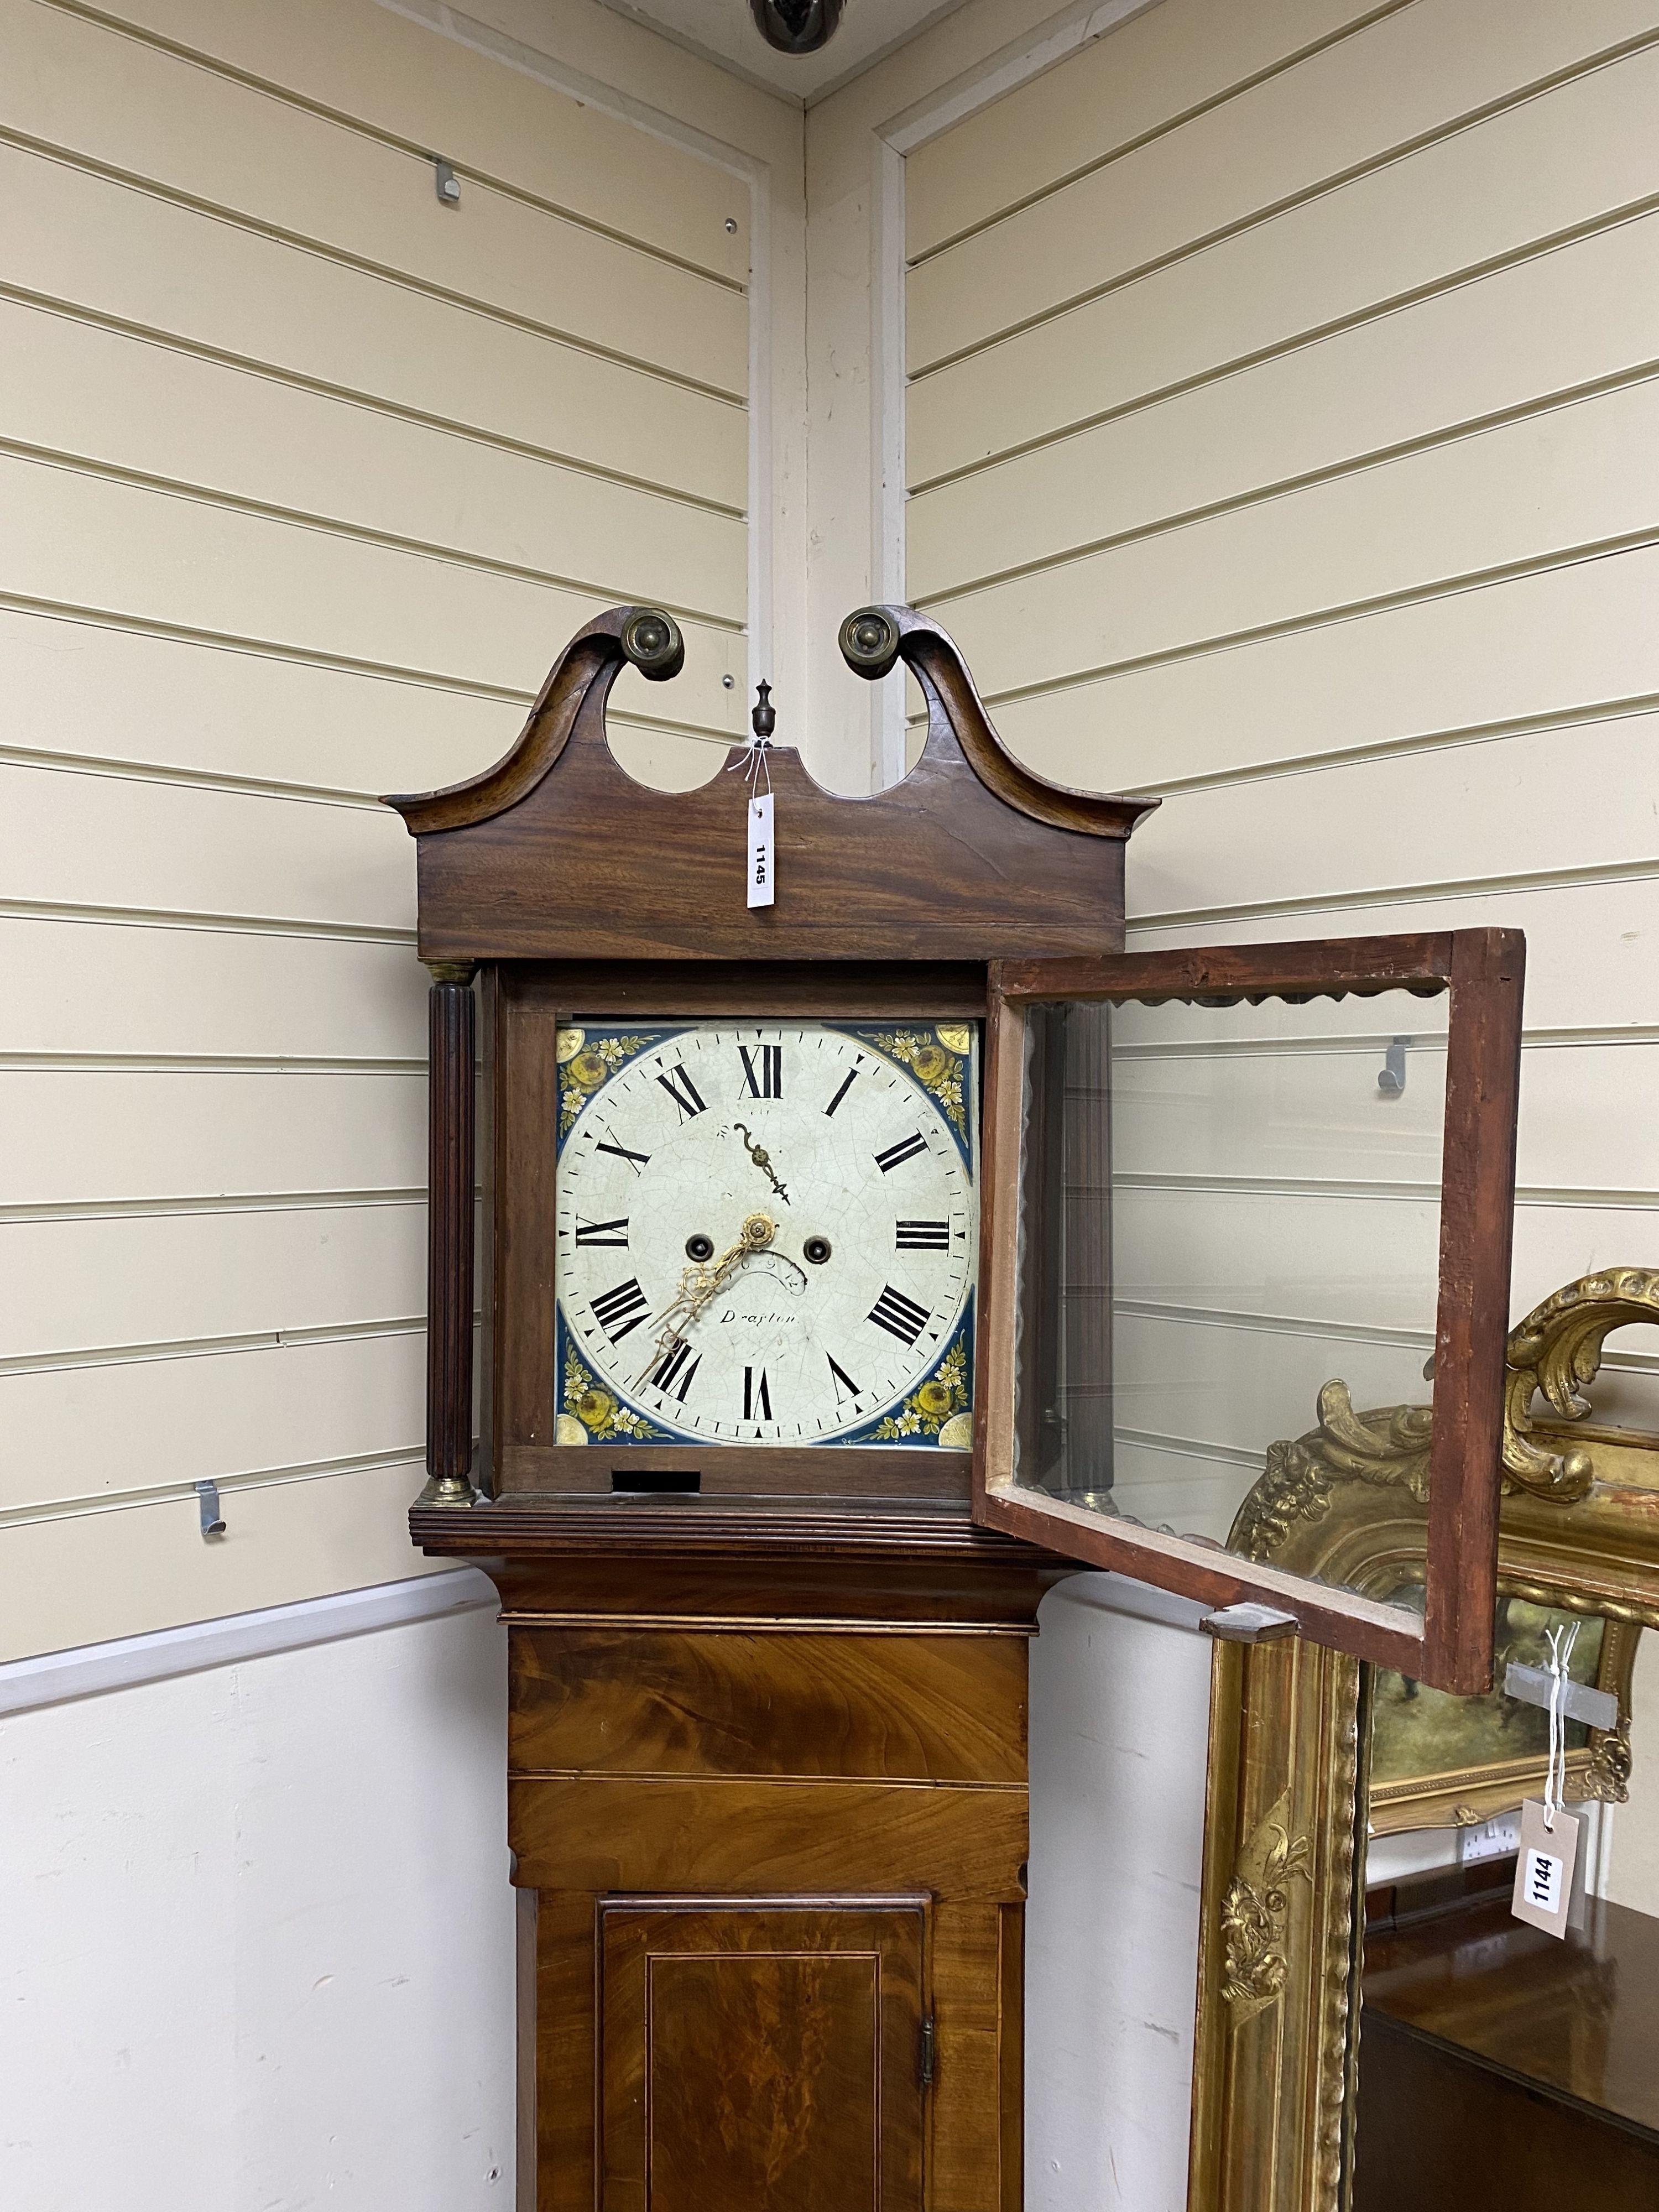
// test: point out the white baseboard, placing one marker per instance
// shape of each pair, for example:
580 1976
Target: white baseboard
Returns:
57 1676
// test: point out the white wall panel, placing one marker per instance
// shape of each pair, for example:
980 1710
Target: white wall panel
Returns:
261 1939
1488 192
1547 485
397 79
86 392
1555 323
161 992
134 1136
81 90
93 690
1359 100
268 1269
1556 643
90 542
1120 1704
77 1434
162 266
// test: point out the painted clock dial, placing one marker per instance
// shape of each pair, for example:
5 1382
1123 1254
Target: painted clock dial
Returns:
767 1233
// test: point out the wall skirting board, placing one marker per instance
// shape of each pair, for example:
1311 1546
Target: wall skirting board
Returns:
56 1677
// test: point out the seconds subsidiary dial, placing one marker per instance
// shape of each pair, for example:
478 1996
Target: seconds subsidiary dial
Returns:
766 1234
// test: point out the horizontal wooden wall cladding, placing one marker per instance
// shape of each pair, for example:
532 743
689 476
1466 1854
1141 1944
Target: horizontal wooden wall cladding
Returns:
176 418
1546 487
84 1576
175 708
137 259
145 844
159 1137
304 474
133 107
909 1707
94 544
1446 814
89 1432
1159 66
1551 646
561 149
1494 192
82 987
1553 324
192 1269
1410 73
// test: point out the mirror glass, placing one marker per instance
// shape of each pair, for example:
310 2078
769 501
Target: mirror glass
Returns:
1478 2032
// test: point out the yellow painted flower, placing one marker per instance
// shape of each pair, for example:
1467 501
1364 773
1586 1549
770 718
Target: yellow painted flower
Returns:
594 1408
588 1069
929 1063
935 1397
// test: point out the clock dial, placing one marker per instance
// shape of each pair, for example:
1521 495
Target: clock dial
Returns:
766 1234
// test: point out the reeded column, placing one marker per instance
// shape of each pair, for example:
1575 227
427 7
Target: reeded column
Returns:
451 1115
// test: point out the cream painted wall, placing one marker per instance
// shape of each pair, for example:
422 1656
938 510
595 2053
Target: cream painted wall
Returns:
306 478
1280 407
856 190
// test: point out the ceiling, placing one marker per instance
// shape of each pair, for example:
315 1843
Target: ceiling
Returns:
724 31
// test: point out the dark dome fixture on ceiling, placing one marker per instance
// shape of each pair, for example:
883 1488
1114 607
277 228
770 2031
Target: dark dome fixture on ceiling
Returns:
796 27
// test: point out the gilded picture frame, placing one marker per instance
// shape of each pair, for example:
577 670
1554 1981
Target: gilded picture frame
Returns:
1276 2046
1415 1784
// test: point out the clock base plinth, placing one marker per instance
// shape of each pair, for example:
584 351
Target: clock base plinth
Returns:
767 1797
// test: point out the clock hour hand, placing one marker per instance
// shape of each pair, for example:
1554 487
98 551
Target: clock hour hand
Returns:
762 1160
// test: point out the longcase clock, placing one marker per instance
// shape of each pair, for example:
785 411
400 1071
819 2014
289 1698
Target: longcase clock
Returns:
845 1268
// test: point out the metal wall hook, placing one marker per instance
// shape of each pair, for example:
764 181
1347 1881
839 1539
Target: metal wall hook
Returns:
207 1495
1392 1080
448 183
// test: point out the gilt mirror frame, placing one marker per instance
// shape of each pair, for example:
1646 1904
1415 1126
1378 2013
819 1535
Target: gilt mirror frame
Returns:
1281 1928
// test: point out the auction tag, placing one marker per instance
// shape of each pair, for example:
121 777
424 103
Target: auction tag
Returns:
1549 1881
763 860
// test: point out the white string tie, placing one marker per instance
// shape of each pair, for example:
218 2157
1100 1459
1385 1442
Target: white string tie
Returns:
1560 1641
